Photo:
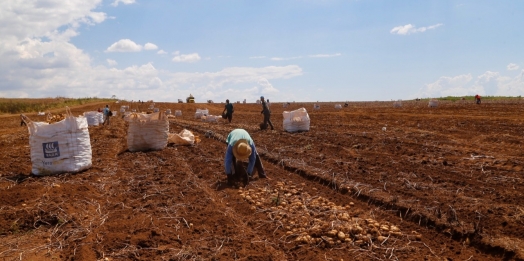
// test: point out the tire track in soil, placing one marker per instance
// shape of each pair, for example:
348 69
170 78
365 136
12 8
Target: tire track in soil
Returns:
435 249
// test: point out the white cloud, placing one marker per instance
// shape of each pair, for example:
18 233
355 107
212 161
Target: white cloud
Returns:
447 86
161 52
512 67
97 17
192 57
126 2
285 59
257 57
235 75
496 84
267 87
150 46
38 60
488 83
325 55
411 29
242 82
35 19
124 45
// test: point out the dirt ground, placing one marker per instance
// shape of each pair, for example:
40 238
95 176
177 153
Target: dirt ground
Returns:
369 181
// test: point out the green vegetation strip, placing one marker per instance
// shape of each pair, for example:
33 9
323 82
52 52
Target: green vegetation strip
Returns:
14 106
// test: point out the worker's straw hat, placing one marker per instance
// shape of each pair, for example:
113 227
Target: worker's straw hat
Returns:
241 149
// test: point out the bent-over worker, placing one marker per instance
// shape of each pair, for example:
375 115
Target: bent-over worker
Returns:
240 147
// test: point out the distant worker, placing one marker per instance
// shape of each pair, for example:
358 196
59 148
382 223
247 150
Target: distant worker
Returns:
106 115
267 114
241 147
22 122
477 98
228 110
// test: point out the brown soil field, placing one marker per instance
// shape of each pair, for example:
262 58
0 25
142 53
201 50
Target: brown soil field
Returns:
366 182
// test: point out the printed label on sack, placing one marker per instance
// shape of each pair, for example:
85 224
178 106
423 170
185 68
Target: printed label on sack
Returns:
51 149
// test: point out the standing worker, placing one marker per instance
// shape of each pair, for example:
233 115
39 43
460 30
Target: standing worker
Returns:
229 111
240 147
107 113
267 114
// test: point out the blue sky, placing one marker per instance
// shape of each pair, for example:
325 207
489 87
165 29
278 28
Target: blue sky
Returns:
286 50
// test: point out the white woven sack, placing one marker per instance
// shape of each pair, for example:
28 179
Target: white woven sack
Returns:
178 113
297 120
147 131
92 118
60 147
338 106
100 117
185 137
210 118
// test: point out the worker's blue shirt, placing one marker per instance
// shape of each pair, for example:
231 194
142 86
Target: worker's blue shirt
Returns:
106 111
231 139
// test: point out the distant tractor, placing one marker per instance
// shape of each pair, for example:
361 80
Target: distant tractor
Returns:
190 99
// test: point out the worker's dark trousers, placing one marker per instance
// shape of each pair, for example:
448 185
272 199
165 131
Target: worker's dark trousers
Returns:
267 120
258 167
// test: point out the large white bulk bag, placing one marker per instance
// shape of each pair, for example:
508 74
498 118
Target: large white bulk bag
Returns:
60 147
92 117
178 113
397 104
147 131
338 106
199 113
433 103
297 120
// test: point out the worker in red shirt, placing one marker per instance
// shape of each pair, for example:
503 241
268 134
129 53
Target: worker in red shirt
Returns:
477 98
